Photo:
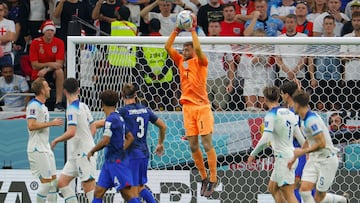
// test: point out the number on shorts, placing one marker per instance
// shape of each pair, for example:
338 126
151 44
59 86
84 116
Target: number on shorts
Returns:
321 180
141 122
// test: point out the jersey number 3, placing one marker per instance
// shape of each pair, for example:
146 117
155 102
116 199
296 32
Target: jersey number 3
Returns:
141 123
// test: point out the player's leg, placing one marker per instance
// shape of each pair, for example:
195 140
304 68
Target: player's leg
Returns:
40 165
52 196
191 132
308 180
327 174
86 173
288 192
99 194
205 125
276 192
130 195
104 182
66 176
298 174
143 192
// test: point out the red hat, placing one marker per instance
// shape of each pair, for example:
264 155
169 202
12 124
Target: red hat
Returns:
48 25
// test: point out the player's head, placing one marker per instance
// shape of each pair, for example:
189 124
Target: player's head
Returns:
128 91
71 86
271 94
301 100
109 98
40 87
287 90
188 50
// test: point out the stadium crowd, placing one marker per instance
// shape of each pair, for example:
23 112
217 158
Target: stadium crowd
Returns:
34 34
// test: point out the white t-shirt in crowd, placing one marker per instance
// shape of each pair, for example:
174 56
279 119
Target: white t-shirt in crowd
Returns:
318 23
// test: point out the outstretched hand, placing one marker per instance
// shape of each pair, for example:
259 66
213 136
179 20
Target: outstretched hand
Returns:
194 22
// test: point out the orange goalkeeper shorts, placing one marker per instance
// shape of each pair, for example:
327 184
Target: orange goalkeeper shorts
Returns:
198 120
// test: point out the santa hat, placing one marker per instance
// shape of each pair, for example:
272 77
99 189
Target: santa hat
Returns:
48 25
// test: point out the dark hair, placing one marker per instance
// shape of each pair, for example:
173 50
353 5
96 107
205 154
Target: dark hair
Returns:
289 87
154 25
71 85
272 93
355 14
291 15
123 13
330 17
229 5
128 91
37 85
7 65
109 98
302 98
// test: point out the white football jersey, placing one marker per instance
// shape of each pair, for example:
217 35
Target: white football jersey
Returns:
311 126
280 123
79 115
38 139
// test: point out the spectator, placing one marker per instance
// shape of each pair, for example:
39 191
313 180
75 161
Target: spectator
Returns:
325 73
166 17
286 7
334 10
47 60
7 36
135 8
261 20
317 7
303 25
104 11
11 83
354 7
154 27
38 14
336 123
66 9
290 58
212 11
352 63
243 9
229 27
221 70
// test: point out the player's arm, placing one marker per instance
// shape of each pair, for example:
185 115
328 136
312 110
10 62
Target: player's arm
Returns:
298 135
169 43
162 130
99 146
201 56
68 134
99 123
33 124
129 138
318 144
263 143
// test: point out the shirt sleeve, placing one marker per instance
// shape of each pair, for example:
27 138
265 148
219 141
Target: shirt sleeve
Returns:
313 126
32 111
107 127
72 116
269 122
153 118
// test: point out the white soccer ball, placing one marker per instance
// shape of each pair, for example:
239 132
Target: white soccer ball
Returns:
184 20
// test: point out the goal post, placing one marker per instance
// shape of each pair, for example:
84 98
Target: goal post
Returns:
329 71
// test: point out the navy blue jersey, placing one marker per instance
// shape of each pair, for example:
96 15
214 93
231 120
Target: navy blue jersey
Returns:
137 118
116 130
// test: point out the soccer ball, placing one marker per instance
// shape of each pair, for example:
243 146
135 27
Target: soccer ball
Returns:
184 20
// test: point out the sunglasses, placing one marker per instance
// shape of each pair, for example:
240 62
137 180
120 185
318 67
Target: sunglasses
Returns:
302 2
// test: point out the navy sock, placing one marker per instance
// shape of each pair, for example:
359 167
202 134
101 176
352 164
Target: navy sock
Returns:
147 196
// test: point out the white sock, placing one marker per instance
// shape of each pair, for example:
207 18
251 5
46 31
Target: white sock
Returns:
69 194
90 195
330 198
42 193
52 196
307 197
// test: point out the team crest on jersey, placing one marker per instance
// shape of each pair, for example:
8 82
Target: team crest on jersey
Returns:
32 112
236 30
54 49
314 127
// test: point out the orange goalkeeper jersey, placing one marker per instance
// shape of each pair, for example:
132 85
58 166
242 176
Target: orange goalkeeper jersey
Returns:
193 75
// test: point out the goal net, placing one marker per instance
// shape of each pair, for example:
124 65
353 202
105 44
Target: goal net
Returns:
238 70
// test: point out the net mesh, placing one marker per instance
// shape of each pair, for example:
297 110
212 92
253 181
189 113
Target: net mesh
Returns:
329 72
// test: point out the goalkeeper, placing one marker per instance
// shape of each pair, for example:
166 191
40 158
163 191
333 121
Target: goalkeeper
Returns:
198 117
